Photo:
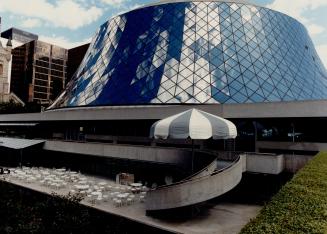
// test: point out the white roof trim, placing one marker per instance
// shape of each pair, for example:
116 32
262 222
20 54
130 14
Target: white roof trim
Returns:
179 1
16 143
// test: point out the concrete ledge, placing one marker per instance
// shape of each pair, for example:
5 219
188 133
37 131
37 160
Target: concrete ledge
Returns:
296 109
181 157
264 163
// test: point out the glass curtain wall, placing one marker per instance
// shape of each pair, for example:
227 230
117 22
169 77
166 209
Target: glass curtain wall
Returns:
198 52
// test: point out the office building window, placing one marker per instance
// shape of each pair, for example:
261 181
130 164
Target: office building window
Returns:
1 69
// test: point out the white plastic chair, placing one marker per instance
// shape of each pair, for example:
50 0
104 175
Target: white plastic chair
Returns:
118 202
129 201
142 198
105 198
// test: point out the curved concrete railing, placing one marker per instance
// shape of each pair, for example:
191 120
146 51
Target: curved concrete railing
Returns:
195 189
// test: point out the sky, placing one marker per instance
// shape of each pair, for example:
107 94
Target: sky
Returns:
69 23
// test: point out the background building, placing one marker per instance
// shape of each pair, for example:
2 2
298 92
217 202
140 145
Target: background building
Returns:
5 69
5 59
19 35
39 71
75 57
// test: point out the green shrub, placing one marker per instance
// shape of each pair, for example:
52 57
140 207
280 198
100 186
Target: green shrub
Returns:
10 108
24 212
300 206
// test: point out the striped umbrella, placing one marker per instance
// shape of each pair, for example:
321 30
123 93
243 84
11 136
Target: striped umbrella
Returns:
194 124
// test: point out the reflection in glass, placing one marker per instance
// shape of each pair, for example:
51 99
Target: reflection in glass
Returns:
197 52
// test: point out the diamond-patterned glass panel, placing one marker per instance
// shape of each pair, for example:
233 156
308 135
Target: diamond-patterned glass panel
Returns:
198 52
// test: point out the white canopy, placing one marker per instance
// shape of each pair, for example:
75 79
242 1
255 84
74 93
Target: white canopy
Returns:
195 124
16 143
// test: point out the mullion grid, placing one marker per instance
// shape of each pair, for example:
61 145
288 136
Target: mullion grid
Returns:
272 55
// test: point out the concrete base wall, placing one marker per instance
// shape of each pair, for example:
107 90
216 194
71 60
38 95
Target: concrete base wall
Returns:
304 146
294 163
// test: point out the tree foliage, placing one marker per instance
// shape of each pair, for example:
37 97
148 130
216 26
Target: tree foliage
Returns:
15 108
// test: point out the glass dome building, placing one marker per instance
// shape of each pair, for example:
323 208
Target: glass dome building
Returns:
198 52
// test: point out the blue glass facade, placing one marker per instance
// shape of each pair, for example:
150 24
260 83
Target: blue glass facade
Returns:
198 52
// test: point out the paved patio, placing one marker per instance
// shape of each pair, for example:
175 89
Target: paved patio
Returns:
222 218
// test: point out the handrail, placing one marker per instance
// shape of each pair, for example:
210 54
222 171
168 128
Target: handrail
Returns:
204 169
115 144
213 153
226 168
258 153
